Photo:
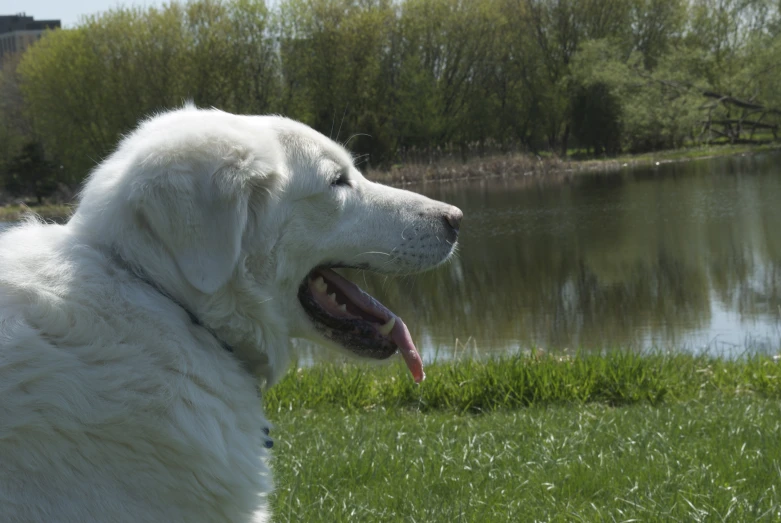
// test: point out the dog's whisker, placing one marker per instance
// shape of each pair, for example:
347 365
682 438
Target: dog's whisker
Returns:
371 252
355 136
340 123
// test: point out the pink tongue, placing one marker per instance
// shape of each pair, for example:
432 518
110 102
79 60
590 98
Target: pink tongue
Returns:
399 334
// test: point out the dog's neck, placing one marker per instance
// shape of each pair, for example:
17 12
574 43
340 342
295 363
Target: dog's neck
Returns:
233 316
139 274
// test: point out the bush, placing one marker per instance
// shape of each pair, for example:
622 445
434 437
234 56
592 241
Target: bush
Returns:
30 173
596 119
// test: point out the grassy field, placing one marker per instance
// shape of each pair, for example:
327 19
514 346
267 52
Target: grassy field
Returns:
471 386
614 438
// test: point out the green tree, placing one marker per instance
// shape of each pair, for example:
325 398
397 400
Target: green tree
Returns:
86 86
30 173
656 26
337 61
400 79
14 127
596 119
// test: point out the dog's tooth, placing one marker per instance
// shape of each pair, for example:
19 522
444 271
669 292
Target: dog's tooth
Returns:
343 307
320 285
385 329
333 297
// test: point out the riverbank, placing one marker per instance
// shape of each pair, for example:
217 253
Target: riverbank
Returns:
509 165
619 437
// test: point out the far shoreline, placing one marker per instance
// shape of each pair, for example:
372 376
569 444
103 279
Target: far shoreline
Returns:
492 166
516 165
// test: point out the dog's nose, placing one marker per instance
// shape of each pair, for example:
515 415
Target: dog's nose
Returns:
453 218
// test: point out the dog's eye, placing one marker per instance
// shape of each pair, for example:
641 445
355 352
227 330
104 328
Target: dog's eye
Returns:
341 180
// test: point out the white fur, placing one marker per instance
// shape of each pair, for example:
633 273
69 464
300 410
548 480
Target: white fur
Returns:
114 405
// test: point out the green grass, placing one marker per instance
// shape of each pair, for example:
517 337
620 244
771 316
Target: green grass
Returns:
10 213
674 155
618 378
692 152
619 437
690 461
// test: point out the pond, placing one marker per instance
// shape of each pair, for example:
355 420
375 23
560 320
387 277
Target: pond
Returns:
683 256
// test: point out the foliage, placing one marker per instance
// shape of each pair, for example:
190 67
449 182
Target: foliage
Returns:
29 172
403 80
596 115
15 130
85 87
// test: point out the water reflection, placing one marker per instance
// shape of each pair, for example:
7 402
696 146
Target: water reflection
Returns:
674 256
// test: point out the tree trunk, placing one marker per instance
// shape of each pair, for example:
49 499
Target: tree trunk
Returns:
565 141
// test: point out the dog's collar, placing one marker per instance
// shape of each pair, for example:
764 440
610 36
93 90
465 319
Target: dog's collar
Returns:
194 319
138 273
268 442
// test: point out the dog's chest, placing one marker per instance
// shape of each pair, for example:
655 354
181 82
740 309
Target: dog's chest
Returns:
229 439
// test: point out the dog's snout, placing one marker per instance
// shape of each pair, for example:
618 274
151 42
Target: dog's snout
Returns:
453 218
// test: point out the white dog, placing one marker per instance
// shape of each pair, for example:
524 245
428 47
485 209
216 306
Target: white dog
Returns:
133 338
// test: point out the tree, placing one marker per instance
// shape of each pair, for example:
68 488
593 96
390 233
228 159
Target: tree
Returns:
30 173
656 25
596 119
15 128
87 86
393 76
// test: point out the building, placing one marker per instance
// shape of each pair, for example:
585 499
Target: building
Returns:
19 31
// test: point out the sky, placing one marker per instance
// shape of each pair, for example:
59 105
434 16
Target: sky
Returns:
68 11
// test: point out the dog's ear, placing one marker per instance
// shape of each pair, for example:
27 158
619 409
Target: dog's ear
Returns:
199 214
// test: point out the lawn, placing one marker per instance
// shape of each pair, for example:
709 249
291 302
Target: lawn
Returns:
708 449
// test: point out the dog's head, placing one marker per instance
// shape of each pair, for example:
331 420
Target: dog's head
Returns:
243 219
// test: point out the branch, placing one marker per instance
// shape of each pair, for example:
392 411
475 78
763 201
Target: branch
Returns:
721 98
745 123
740 103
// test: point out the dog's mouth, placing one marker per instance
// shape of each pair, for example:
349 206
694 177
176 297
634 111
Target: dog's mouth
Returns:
347 315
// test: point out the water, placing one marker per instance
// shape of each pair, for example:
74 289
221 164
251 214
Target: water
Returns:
680 256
